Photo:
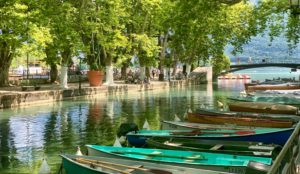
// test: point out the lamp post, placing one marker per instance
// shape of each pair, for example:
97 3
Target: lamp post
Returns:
295 7
80 57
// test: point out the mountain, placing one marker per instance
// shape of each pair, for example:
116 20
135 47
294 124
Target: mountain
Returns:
260 47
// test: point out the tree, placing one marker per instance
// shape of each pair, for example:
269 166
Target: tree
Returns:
14 28
219 64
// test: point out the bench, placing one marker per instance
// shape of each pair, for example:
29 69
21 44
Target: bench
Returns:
27 88
216 147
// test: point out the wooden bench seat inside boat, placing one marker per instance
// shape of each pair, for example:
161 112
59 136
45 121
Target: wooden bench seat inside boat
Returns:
217 147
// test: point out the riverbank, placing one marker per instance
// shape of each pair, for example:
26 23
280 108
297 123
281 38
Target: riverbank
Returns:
13 97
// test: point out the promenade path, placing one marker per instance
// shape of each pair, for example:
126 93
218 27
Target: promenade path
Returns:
12 97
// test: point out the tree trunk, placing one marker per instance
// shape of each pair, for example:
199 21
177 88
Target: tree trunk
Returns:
124 71
163 43
6 56
142 73
147 73
53 73
66 58
188 69
109 80
4 73
175 62
109 75
64 77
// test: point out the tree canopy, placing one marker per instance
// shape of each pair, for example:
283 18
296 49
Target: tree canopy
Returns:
157 32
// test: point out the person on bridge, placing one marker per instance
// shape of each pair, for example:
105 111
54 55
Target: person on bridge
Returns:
250 60
238 60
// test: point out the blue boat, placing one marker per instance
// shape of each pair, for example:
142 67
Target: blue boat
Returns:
200 160
265 135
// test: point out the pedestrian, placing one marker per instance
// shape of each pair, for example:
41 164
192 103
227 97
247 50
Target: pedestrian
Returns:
153 73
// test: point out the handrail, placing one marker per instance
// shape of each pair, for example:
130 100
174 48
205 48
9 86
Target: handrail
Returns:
285 161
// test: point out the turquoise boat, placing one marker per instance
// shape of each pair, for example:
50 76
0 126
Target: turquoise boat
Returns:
74 164
201 160
280 100
265 135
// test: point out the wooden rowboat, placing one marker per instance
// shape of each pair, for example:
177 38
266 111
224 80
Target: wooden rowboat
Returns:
200 160
263 107
252 88
180 125
280 100
74 164
215 112
241 121
216 146
265 135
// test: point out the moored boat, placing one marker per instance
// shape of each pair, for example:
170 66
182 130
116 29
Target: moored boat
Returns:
263 107
215 112
287 86
265 135
241 121
216 146
180 125
280 100
74 164
202 160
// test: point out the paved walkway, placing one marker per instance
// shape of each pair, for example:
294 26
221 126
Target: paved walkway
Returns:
12 97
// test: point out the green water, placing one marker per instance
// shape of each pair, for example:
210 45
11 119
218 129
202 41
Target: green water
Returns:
29 134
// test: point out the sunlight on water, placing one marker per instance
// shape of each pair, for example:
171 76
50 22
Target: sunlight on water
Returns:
27 135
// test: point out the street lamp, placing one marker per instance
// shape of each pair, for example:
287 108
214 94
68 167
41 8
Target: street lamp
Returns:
295 7
80 57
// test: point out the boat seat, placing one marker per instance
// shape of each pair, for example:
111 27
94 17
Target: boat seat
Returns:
131 170
270 148
216 147
172 144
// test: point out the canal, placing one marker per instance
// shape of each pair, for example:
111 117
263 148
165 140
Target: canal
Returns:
27 135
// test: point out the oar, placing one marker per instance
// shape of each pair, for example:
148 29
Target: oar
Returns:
197 132
159 154
155 171
100 165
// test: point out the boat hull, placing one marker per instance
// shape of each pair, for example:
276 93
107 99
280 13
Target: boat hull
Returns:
279 100
72 167
272 87
215 146
263 107
241 121
277 137
231 169
247 114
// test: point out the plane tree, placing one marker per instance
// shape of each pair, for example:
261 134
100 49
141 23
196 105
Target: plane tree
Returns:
18 30
202 29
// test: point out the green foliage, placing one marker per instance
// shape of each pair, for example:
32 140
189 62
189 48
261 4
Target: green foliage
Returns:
112 31
220 63
146 48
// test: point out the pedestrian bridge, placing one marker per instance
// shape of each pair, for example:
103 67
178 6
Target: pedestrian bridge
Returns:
293 64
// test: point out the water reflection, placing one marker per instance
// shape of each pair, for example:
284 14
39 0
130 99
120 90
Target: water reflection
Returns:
29 134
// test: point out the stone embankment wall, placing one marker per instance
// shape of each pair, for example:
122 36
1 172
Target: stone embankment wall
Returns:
13 99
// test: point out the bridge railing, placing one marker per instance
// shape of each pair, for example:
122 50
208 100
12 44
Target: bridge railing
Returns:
286 161
265 61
